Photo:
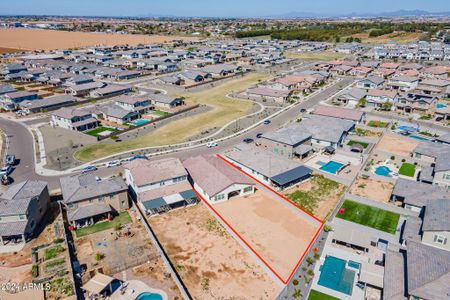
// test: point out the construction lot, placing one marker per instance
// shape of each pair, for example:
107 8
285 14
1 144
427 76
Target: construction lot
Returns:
212 264
276 230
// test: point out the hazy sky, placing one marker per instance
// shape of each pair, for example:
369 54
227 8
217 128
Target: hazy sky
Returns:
212 8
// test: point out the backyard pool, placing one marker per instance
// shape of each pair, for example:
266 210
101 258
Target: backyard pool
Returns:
418 137
140 122
383 171
440 105
332 167
149 296
335 276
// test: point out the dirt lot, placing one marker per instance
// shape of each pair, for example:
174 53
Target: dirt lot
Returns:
373 189
212 264
398 37
396 145
33 39
277 233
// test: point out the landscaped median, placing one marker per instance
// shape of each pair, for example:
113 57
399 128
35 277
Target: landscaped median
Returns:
121 219
369 216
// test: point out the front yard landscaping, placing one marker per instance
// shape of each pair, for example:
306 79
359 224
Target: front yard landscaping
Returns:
365 145
407 169
369 216
121 219
316 295
377 124
101 131
160 113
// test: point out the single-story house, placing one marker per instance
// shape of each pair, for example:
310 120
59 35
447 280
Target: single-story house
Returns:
340 113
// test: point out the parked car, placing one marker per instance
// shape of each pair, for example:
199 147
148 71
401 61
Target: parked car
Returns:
137 157
247 140
10 159
211 144
266 122
5 170
259 135
302 110
113 163
88 169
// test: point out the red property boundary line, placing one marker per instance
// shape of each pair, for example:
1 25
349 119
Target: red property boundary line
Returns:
247 244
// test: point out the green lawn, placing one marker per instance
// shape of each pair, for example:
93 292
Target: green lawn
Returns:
380 124
365 145
316 295
407 170
369 216
53 252
160 113
122 218
96 132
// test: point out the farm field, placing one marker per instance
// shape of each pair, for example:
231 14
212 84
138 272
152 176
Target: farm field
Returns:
36 39
369 216
223 111
212 264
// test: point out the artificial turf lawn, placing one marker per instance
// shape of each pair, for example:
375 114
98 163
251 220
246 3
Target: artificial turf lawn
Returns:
122 218
365 145
316 295
407 170
369 216
378 124
95 132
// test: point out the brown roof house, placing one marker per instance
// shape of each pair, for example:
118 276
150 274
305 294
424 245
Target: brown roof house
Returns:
216 180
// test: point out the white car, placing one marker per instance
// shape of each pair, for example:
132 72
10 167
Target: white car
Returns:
5 170
113 163
211 144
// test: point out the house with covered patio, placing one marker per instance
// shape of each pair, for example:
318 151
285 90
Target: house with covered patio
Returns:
89 200
23 206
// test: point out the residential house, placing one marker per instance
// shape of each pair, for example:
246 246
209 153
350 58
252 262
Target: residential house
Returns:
49 103
351 96
371 82
415 103
340 113
10 101
73 119
263 92
111 90
164 101
403 83
159 185
23 206
140 104
88 200
217 181
436 224
376 98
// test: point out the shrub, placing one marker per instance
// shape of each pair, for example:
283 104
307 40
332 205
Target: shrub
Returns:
392 157
327 228
295 282
99 256
310 260
311 272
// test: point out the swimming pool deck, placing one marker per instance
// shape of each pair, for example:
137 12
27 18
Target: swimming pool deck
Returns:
134 288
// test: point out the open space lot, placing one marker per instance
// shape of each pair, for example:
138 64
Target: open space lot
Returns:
372 188
369 216
212 263
223 110
325 55
396 145
279 233
397 37
34 39
318 196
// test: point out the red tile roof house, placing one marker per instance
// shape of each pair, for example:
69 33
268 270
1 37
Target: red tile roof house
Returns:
375 98
339 113
215 180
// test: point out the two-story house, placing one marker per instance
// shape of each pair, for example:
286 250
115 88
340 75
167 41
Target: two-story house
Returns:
73 119
140 104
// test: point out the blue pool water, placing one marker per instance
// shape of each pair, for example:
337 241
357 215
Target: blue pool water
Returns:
335 276
331 167
140 122
418 137
440 105
354 264
149 296
383 171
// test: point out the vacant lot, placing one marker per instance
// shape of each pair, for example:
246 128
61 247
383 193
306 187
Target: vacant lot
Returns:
223 111
34 39
280 235
396 145
326 55
318 196
373 189
398 37
369 216
212 264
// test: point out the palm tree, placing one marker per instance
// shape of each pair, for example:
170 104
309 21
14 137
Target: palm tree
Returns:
297 294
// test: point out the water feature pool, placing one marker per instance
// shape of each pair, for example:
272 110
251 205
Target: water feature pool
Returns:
149 296
383 171
140 122
332 167
440 105
334 275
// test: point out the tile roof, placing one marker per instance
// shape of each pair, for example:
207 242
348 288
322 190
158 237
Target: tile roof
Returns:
17 198
337 112
437 215
394 276
418 193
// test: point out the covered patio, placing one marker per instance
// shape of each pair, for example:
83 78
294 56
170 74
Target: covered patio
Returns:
89 214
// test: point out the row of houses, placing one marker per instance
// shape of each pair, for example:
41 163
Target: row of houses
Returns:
421 50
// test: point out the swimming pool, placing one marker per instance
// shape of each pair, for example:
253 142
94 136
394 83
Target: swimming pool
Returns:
383 171
149 296
332 167
418 137
140 122
335 276
354 264
440 105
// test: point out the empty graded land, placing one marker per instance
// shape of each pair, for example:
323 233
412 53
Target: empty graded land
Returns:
38 39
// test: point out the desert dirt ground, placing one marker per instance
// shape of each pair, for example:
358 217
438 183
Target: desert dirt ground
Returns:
277 233
223 111
396 145
212 263
324 55
373 189
398 37
37 39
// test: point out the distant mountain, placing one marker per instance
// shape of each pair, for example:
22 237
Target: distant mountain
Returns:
398 13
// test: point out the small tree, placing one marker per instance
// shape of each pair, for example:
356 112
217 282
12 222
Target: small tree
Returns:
297 294
99 256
